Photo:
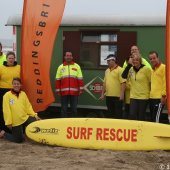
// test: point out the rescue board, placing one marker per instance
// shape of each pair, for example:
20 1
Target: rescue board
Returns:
99 133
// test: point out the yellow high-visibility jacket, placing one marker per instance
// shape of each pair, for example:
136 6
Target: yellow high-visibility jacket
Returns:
2 59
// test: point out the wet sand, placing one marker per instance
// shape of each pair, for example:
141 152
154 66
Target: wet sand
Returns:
33 156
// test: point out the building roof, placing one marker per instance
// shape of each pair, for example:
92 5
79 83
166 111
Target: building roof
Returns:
110 13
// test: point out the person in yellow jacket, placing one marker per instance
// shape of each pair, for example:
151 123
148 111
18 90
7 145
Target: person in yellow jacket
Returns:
18 112
113 88
135 50
158 85
8 71
139 76
2 56
128 63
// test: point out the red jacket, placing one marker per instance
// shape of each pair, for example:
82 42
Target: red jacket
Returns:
69 79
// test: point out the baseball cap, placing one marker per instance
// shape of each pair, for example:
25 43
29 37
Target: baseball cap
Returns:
110 57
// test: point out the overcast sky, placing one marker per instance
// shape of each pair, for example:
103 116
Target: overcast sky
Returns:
8 8
155 7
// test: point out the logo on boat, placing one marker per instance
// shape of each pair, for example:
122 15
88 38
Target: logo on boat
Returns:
45 130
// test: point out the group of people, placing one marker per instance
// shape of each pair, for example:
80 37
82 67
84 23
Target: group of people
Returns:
138 83
15 109
134 86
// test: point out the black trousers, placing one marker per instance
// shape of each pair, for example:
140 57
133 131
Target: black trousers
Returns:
2 123
65 100
114 107
138 109
126 111
153 104
18 131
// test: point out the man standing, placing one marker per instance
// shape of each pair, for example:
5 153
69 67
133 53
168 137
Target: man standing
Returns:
158 85
113 88
69 84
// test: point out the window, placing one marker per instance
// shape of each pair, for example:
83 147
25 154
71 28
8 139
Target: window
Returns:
108 38
90 48
95 46
90 38
105 50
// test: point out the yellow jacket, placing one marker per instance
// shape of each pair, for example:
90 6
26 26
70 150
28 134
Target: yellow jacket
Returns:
127 90
140 83
2 59
144 62
113 81
158 82
7 74
16 109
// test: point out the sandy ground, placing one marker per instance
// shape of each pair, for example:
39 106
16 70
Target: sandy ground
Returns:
33 156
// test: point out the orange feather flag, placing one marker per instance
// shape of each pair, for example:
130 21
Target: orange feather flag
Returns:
168 54
40 23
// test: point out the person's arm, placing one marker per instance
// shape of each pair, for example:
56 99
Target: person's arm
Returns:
126 71
29 108
9 126
103 91
80 80
169 118
58 81
122 92
148 73
124 64
123 84
163 98
7 111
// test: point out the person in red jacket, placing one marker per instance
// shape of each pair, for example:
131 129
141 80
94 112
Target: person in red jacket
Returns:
69 84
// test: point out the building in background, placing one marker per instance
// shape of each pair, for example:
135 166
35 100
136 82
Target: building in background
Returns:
101 29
